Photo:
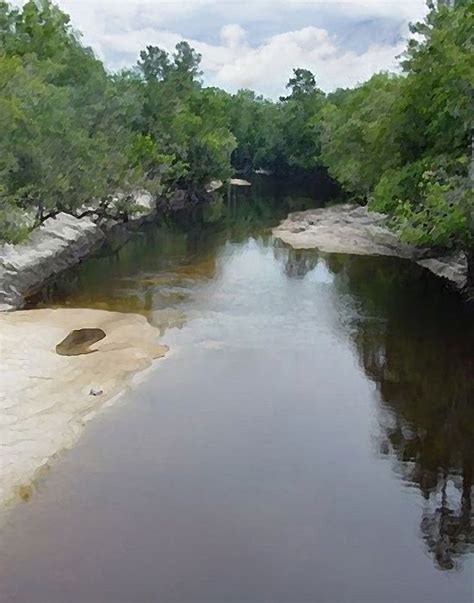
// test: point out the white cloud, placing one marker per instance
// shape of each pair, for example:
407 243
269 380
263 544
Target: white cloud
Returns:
118 30
233 36
399 9
267 67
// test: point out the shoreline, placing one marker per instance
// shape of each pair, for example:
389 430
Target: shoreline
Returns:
64 241
47 398
352 229
59 243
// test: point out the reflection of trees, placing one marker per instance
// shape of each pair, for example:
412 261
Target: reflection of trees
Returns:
296 262
415 342
152 271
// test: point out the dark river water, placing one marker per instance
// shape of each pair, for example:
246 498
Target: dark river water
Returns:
310 437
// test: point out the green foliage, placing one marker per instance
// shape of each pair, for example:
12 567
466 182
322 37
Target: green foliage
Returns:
358 134
256 124
438 95
70 132
63 138
301 119
279 136
393 186
440 221
187 123
302 85
14 224
405 143
444 216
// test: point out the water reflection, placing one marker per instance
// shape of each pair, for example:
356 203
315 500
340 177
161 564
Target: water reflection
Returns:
297 262
415 341
158 268
412 339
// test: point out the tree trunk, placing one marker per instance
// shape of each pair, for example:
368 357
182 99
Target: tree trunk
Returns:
470 217
470 267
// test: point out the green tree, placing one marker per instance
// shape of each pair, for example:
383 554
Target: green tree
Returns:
358 134
439 101
301 120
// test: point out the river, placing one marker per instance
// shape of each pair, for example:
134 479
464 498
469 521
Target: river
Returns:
310 436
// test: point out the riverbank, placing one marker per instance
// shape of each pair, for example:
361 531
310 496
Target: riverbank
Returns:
64 240
47 397
353 229
61 242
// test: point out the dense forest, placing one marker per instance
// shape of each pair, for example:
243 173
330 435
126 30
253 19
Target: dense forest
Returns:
70 131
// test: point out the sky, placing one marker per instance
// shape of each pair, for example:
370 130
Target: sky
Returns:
254 44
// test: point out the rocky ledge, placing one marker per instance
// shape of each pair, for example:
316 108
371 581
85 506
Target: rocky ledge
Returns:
59 368
62 242
57 244
354 230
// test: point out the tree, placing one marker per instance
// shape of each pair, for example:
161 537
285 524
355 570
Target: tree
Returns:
301 120
440 77
63 138
302 84
154 64
184 122
404 143
358 134
256 124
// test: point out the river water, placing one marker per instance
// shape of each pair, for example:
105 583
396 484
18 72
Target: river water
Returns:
310 437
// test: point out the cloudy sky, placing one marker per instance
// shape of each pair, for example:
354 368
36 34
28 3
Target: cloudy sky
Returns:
254 44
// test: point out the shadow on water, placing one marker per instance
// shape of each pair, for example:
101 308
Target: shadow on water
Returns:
415 341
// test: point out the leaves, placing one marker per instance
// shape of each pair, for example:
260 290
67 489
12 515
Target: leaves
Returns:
70 132
404 143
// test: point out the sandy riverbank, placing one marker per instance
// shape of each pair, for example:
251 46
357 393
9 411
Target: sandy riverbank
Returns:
46 398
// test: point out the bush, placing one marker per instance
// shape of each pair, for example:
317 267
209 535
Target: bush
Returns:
15 224
396 185
442 219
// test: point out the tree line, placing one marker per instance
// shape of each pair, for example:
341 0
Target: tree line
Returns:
70 131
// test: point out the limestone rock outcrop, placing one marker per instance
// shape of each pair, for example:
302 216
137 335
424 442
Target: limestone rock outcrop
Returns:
353 229
59 243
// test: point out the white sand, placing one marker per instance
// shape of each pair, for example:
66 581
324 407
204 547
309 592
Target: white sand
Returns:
45 398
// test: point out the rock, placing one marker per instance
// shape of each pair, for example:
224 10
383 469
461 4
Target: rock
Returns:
79 341
214 185
144 206
240 182
89 208
452 267
355 230
57 244
62 242
141 204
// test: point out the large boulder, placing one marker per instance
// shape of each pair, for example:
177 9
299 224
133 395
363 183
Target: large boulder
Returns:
59 243
181 199
452 267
